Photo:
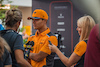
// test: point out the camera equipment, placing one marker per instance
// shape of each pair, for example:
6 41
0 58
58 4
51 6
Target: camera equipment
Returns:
58 35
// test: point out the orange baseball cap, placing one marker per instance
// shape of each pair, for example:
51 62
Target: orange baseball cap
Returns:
39 13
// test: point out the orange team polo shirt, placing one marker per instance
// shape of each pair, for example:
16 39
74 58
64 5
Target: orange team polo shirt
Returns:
80 48
41 44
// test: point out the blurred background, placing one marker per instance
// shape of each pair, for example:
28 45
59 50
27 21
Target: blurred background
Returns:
63 16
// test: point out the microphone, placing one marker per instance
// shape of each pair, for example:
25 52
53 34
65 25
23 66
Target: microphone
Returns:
28 46
49 42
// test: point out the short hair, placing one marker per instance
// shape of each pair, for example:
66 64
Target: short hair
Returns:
87 23
12 17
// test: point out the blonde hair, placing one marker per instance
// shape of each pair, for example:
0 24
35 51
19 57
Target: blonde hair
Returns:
86 23
3 44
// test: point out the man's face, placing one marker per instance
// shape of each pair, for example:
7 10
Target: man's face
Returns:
38 23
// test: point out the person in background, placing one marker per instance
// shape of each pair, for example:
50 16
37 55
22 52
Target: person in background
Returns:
5 57
92 55
25 36
1 27
41 55
14 40
84 26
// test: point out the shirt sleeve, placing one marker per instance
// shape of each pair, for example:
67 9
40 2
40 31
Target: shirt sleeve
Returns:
7 56
80 48
18 44
45 48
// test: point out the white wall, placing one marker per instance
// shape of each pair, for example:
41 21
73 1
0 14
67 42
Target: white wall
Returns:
26 7
25 3
91 7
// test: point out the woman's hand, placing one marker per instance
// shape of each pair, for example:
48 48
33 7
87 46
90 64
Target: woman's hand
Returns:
53 48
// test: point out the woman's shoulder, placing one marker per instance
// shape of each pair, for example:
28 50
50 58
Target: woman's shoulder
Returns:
82 42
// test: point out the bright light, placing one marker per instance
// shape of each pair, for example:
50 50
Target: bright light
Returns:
6 6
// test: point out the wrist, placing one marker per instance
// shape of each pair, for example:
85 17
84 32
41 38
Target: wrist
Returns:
56 50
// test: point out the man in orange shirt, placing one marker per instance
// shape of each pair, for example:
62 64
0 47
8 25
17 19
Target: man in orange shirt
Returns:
41 54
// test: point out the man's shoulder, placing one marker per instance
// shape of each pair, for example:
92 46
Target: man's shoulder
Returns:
50 34
32 35
96 28
95 31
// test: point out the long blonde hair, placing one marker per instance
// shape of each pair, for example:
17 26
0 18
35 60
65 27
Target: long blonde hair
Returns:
3 44
86 23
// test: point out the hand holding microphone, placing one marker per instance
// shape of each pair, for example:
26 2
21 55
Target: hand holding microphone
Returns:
52 47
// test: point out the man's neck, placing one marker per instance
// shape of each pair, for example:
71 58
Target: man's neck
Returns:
42 30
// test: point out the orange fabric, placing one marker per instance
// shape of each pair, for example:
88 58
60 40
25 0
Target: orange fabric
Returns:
80 48
40 13
41 44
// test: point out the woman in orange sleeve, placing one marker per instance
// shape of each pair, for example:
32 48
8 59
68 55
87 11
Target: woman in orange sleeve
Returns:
84 26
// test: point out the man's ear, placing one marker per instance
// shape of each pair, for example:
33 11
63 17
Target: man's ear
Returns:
45 21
